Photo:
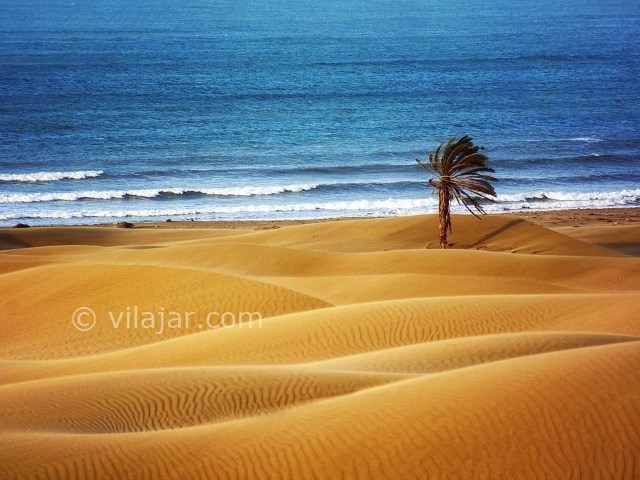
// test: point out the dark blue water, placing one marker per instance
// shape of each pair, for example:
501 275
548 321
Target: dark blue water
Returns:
292 109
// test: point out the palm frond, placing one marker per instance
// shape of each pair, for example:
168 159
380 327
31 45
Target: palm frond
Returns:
428 168
474 171
472 160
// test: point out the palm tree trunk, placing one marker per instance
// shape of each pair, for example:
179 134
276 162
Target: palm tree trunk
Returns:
443 213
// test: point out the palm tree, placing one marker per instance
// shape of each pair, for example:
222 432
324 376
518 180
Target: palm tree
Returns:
460 171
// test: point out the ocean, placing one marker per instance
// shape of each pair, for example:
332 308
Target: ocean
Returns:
222 110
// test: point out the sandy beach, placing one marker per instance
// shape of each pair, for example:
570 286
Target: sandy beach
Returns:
333 349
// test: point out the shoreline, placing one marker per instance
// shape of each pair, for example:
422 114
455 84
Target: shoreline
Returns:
615 229
610 216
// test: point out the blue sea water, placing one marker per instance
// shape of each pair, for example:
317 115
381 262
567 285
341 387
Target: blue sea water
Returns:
218 109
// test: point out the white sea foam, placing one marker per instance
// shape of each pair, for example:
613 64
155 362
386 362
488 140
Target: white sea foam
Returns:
541 200
516 197
49 176
585 139
388 206
617 198
250 191
620 197
150 193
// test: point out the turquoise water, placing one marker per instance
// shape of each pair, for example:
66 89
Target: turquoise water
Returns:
224 110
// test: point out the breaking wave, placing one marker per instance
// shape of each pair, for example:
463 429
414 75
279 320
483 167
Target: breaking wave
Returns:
356 208
150 193
49 176
621 197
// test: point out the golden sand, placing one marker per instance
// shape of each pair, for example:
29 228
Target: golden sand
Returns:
514 354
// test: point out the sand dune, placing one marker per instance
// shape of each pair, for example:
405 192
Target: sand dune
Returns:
620 238
512 355
104 236
45 306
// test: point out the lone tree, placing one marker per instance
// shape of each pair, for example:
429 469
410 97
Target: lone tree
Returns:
459 170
